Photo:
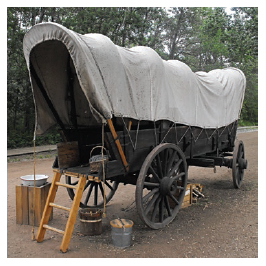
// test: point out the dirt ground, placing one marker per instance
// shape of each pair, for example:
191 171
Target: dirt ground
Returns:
224 224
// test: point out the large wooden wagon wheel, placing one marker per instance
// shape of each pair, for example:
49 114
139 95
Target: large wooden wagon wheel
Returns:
239 163
93 193
161 185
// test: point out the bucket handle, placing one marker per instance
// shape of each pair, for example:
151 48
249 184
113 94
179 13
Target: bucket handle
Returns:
98 147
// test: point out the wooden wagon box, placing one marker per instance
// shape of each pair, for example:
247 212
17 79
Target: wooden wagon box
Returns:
25 201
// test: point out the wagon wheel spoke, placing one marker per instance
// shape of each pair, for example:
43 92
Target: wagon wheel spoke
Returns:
159 165
166 203
174 199
154 174
165 160
93 193
175 167
178 176
152 192
155 208
101 188
88 194
86 185
151 203
149 184
171 161
160 185
108 185
161 210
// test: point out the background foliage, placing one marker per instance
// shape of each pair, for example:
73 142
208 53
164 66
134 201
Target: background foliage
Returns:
204 38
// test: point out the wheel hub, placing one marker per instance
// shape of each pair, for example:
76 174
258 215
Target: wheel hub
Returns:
242 163
168 186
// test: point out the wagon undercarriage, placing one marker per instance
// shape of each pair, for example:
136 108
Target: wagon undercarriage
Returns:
152 156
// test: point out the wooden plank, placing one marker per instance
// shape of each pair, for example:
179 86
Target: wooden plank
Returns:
53 229
47 209
19 213
117 143
138 159
32 205
39 196
24 204
145 139
44 197
65 185
114 168
68 154
111 146
59 206
72 215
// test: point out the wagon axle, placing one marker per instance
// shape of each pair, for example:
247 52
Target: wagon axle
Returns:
217 161
168 186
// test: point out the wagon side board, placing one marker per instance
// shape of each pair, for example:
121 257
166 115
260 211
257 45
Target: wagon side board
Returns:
193 141
135 145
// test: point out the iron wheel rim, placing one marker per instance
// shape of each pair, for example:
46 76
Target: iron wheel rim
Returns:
237 170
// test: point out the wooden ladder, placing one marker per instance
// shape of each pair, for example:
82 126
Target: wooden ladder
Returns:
72 210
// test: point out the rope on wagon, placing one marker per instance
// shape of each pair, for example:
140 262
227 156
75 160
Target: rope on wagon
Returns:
103 167
167 133
137 135
183 135
176 134
128 133
155 132
34 164
133 145
209 137
196 139
222 131
232 127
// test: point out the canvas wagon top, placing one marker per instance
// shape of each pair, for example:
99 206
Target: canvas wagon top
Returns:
86 79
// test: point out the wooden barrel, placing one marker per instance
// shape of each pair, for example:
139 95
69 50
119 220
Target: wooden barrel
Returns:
90 221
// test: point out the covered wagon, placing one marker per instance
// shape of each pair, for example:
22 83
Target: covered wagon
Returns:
127 116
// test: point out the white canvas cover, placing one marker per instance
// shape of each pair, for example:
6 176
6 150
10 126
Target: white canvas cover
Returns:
114 81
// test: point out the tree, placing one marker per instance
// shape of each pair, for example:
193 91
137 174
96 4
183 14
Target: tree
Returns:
203 38
243 53
180 31
212 38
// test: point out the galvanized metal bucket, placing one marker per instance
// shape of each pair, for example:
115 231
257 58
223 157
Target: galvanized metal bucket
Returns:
121 232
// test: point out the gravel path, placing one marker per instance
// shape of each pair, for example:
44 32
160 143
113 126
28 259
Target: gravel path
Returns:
224 224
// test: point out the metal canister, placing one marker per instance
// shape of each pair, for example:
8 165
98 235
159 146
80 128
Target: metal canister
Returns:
121 232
